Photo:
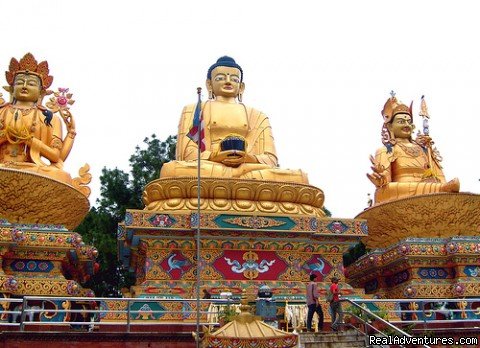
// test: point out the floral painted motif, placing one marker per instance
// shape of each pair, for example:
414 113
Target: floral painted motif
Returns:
161 220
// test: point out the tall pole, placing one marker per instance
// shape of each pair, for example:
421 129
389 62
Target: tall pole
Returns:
199 92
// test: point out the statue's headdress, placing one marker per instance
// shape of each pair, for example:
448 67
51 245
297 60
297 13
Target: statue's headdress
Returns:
391 108
28 64
225 61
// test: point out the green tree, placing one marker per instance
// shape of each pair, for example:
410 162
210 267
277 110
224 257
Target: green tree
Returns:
120 191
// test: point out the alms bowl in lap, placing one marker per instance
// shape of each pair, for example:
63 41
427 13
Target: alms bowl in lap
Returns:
438 215
32 198
235 195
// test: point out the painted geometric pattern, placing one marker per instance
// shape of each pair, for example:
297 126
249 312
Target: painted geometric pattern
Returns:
254 222
397 278
140 218
472 271
436 273
240 243
31 266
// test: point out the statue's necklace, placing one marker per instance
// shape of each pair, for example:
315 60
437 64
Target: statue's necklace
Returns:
413 150
24 111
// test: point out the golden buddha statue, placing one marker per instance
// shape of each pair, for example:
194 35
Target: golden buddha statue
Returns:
405 167
238 139
31 134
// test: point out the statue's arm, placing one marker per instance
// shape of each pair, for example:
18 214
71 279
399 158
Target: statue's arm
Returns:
261 145
381 167
71 133
3 137
50 151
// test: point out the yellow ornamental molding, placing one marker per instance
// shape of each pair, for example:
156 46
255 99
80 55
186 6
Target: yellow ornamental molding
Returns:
233 195
440 215
35 199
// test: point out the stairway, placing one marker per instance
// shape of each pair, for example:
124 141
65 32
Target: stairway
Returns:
342 339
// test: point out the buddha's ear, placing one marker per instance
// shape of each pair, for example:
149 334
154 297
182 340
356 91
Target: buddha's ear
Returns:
9 89
208 83
242 88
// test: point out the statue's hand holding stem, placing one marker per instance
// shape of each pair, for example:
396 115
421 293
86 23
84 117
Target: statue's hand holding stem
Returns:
378 176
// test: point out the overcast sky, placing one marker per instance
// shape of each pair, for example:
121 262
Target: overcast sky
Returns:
320 70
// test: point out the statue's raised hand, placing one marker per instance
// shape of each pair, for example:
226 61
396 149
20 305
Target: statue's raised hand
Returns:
378 176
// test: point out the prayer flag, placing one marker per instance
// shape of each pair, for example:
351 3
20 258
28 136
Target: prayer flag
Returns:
197 131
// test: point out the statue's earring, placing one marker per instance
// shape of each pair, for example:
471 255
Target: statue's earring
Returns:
210 94
240 96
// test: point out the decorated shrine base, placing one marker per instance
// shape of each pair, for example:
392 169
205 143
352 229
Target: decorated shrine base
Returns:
238 252
27 197
421 268
439 215
43 260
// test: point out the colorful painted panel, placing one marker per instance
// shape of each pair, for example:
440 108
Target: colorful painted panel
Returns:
319 266
436 273
31 266
397 278
254 222
176 264
258 265
472 271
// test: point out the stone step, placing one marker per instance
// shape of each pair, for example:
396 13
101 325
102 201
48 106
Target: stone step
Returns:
331 339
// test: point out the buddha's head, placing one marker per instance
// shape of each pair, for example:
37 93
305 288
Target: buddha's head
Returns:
225 79
27 87
401 126
28 80
397 121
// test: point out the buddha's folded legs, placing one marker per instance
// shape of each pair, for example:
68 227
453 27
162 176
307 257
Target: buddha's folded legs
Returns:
245 171
280 175
396 190
190 168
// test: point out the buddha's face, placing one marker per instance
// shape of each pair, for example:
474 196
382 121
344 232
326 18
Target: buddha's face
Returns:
225 82
27 87
402 126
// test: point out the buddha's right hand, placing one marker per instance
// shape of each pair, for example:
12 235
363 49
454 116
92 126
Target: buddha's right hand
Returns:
378 177
230 158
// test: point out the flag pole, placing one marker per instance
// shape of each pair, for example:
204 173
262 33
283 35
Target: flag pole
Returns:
199 92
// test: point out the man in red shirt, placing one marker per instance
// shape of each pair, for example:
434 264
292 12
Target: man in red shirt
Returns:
313 304
335 305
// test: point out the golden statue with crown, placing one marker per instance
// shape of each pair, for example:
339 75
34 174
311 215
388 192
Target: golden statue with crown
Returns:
32 141
422 231
405 167
39 200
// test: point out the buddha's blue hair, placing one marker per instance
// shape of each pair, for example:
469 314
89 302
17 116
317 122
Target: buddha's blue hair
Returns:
225 61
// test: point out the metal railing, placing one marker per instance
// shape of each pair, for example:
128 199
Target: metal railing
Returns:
417 316
124 313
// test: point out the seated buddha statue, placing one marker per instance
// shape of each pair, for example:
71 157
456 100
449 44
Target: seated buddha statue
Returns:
406 167
31 134
238 139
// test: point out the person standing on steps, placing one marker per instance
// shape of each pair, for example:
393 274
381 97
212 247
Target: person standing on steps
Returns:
313 304
335 305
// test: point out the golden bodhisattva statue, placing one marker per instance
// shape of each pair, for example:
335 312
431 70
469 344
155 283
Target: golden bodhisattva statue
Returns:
31 135
33 147
239 141
406 167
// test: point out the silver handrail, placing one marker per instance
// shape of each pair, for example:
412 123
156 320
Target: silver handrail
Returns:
26 313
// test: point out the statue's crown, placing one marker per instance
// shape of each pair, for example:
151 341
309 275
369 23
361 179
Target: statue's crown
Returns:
394 107
28 64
